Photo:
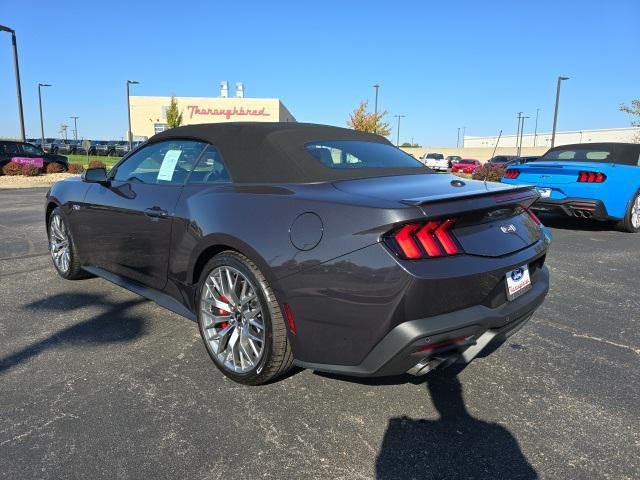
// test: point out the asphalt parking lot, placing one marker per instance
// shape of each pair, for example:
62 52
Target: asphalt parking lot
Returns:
96 382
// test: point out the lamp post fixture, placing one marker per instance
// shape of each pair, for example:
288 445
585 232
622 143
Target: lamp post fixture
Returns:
518 131
40 85
129 134
555 114
398 132
535 130
521 132
375 108
458 138
16 68
75 127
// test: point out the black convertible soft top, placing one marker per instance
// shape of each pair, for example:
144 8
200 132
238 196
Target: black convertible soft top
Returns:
274 152
619 153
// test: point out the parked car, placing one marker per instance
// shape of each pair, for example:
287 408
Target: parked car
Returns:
435 161
122 148
336 251
503 160
466 165
587 180
67 147
10 149
453 159
51 145
103 148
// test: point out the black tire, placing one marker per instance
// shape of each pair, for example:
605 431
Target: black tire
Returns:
74 271
277 356
627 223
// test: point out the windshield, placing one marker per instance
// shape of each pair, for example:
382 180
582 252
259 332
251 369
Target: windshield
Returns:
578 155
350 154
467 162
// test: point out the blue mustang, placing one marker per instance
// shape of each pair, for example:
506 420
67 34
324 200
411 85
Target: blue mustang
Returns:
588 180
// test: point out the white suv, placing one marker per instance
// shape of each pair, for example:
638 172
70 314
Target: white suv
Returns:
435 161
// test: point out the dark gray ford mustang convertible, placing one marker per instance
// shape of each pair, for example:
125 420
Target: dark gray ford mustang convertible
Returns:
305 244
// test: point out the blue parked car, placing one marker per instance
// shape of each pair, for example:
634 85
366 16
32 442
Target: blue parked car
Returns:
587 180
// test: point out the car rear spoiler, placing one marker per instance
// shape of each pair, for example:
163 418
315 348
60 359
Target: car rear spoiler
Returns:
453 203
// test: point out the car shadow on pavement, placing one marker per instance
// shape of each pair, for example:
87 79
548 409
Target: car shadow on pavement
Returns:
457 445
114 324
564 222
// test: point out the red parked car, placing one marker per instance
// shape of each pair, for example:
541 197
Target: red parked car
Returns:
466 165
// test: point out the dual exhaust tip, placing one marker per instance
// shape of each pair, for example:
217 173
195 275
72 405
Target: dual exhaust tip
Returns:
582 213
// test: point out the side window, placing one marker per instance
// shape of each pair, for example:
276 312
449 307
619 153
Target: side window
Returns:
10 148
163 163
210 169
31 149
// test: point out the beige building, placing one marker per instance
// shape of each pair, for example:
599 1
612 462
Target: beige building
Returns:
148 114
562 138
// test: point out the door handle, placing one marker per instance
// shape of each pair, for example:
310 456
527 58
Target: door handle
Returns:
156 212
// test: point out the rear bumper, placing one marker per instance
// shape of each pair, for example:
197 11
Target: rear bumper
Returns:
396 352
574 207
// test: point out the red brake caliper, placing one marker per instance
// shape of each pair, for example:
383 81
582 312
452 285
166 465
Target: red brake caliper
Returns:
222 312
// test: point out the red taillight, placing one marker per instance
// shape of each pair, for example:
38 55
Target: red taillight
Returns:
289 316
512 173
434 237
591 177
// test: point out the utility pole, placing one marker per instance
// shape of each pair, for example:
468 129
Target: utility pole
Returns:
398 132
555 114
521 132
535 131
40 85
16 68
129 134
518 130
375 108
75 127
458 139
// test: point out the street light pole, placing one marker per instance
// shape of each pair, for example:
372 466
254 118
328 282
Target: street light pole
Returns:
464 130
75 127
458 138
398 132
555 114
518 131
40 85
130 135
521 132
16 68
375 109
535 131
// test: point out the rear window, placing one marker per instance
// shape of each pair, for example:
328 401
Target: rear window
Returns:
354 154
578 155
435 156
470 162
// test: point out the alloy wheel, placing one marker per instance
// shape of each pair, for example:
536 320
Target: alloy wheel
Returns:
232 319
59 244
635 213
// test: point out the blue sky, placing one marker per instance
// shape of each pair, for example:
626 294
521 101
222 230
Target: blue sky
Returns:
442 64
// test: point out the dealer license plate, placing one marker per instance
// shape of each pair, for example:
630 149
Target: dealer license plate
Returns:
518 282
544 192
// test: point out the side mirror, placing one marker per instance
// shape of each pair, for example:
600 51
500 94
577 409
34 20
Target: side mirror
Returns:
95 175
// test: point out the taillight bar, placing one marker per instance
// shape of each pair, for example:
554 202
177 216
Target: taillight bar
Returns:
425 240
512 173
591 177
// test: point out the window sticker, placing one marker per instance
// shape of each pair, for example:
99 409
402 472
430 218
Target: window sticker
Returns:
169 165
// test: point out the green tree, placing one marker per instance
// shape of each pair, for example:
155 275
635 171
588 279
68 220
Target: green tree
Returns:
633 109
370 122
173 115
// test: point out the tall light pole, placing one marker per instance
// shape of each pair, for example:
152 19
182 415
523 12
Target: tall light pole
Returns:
458 138
75 127
555 114
518 130
129 134
375 108
535 131
464 130
521 132
398 132
16 68
40 85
